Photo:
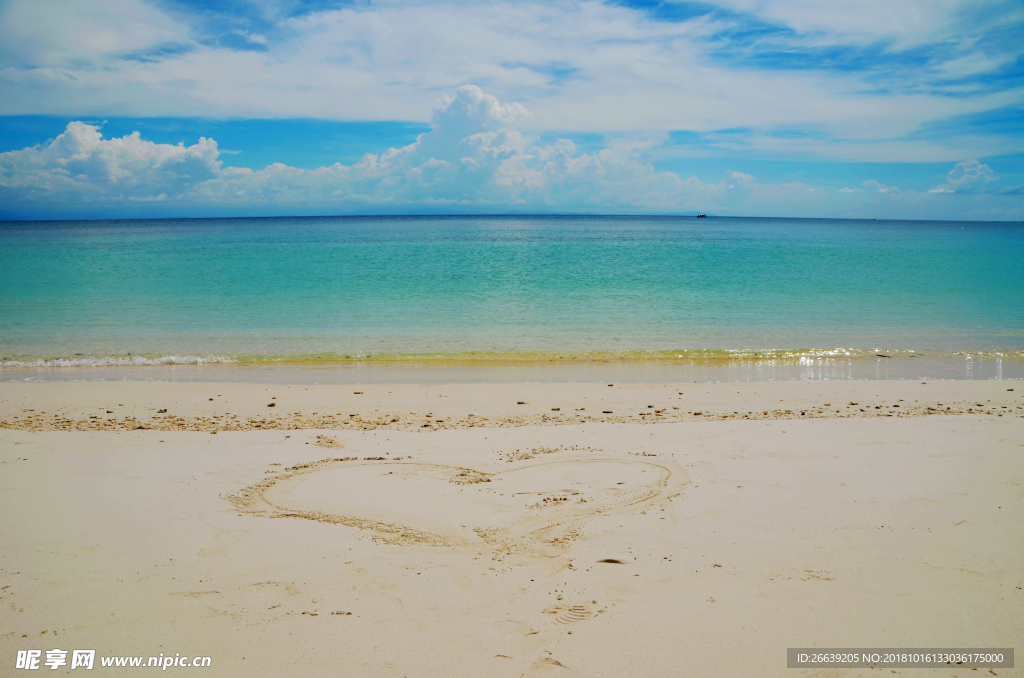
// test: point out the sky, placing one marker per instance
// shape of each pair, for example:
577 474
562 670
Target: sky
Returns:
902 109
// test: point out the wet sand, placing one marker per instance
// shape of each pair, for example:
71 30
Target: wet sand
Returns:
645 368
643 529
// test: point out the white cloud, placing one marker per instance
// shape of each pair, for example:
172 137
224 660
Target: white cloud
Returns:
908 23
476 158
964 177
873 186
253 38
974 64
580 65
70 34
80 165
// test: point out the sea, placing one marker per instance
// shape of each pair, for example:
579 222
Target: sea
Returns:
510 298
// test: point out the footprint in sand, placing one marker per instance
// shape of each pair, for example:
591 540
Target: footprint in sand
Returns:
571 614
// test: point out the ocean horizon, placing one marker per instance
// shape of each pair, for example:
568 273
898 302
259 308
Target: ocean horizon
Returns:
472 290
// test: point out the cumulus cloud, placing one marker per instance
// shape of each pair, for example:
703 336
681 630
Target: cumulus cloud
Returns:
475 156
966 177
80 165
478 157
872 186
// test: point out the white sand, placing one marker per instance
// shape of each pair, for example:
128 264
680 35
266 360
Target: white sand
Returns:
478 553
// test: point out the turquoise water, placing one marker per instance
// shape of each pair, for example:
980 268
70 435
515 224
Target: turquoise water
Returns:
391 287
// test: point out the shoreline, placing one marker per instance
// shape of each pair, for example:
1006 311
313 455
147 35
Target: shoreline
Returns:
474 358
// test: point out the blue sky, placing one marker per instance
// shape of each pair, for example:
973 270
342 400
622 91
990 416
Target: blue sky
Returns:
150 108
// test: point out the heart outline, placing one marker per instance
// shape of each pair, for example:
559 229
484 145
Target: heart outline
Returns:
540 535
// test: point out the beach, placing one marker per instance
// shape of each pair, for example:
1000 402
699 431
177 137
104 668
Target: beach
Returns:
509 445
594 339
510 529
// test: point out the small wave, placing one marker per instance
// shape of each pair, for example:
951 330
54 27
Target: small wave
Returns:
765 357
117 361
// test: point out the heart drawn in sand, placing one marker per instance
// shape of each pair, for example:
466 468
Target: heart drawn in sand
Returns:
536 507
